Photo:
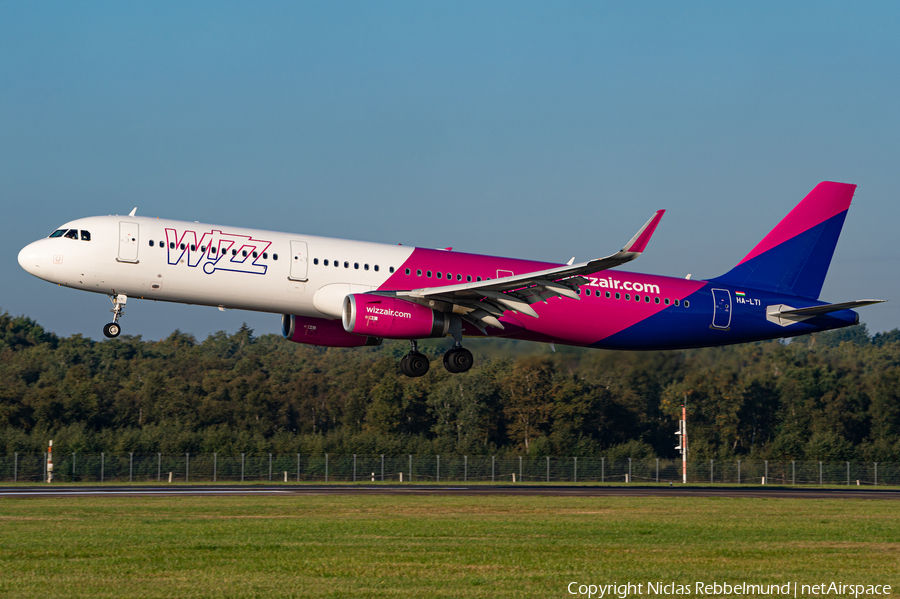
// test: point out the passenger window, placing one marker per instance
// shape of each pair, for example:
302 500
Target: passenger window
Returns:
316 261
58 233
418 273
202 248
647 299
266 256
365 267
85 235
407 271
439 275
274 256
627 296
244 253
212 249
376 268
233 252
392 269
477 278
346 264
607 295
171 245
151 243
687 304
677 302
667 301
194 249
587 292
459 277
428 273
182 246
72 234
655 300
618 295
356 265
255 255
449 277
337 264
325 262
578 290
469 278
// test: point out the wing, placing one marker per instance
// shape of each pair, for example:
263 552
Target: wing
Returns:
482 303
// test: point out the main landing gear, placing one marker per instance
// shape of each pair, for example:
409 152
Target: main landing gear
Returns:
414 364
113 329
458 359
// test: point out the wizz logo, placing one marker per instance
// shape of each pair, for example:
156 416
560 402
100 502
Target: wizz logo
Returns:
217 251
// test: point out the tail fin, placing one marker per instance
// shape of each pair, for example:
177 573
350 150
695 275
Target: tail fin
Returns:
794 257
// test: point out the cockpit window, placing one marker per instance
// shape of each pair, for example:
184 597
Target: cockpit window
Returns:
58 233
85 235
71 234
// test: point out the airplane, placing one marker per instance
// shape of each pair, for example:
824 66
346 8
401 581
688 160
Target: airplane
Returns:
340 293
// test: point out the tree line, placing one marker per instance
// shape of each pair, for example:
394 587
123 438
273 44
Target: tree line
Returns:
828 396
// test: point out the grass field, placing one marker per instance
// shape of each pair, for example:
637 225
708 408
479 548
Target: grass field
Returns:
421 546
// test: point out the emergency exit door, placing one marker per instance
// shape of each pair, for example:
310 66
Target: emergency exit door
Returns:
299 261
128 242
721 309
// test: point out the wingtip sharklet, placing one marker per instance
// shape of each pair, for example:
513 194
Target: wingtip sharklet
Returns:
639 242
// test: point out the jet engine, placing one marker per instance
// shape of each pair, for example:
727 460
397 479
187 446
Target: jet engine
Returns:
391 317
320 331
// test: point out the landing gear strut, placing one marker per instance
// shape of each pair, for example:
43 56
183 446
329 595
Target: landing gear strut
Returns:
457 359
414 364
113 329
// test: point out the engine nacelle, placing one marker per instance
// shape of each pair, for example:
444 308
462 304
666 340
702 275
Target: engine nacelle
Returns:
320 331
391 317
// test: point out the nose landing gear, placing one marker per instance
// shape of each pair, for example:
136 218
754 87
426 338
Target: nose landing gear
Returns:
113 329
414 364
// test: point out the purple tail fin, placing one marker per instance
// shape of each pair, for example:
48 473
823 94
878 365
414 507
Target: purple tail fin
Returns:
794 257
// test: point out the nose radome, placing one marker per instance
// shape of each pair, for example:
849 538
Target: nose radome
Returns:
30 258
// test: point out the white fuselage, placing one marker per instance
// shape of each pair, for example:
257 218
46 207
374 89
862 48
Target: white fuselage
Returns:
203 264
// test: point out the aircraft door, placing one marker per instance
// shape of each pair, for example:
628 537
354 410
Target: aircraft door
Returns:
721 309
299 261
128 242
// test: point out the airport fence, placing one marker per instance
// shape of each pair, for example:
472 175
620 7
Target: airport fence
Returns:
214 467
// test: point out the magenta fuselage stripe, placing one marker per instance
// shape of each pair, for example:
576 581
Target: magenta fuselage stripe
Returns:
564 320
825 201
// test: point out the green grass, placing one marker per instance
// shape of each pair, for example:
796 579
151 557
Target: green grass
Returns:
408 546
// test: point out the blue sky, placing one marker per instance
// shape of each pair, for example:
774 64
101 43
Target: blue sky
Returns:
536 130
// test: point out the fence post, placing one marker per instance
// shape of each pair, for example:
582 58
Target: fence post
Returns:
492 468
102 465
465 468
657 469
354 467
215 466
548 469
711 471
629 470
298 467
73 467
242 467
45 465
739 472
16 467
187 466
602 469
794 473
438 468
131 467
410 467
848 474
270 467
158 466
767 472
382 467
876 473
575 478
520 469
820 474
326 467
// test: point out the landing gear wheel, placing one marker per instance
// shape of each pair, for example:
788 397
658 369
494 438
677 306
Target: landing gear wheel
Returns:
458 359
112 330
417 364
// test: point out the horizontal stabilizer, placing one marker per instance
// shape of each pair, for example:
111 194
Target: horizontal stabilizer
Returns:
784 315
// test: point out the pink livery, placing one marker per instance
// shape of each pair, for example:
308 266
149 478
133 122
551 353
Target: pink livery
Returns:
340 293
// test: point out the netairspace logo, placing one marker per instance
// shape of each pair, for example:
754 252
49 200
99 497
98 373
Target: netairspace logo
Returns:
719 589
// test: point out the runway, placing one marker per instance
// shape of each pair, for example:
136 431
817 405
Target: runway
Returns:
50 491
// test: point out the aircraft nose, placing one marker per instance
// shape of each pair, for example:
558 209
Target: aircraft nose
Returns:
30 259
